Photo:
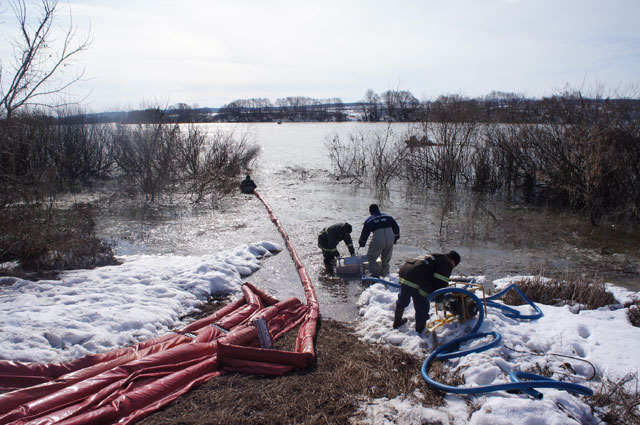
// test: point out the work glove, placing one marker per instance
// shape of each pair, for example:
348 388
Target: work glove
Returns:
395 240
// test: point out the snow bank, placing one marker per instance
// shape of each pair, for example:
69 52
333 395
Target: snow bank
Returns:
90 311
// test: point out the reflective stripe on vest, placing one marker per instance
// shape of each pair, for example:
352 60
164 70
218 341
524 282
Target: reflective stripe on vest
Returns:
443 278
325 232
413 285
327 249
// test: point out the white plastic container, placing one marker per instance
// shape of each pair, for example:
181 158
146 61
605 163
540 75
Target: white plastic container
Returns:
351 265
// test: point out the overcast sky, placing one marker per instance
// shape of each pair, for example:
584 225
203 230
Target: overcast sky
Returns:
210 52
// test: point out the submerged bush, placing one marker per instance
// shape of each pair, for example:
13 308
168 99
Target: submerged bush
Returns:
584 156
42 239
40 158
162 160
379 157
376 157
573 152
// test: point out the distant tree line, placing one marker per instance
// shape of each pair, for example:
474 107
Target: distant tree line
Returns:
389 106
496 107
180 113
294 108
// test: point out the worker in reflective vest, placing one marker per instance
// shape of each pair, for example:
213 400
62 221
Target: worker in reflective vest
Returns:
328 241
418 278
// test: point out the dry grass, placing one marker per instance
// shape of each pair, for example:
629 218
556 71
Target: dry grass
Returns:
347 372
571 291
616 402
634 313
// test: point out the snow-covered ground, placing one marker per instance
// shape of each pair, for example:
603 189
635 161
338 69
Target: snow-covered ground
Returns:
580 347
89 311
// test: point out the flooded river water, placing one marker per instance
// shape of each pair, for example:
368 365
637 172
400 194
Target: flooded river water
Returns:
495 238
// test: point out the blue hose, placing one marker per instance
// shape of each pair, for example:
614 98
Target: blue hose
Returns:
521 381
512 312
377 280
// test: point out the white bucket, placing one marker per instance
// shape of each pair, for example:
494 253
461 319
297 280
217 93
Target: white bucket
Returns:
351 265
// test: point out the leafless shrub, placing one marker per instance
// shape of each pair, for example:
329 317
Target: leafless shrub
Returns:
81 154
617 403
161 160
585 155
347 158
445 146
210 164
145 155
42 238
572 291
453 143
484 170
514 166
386 154
39 158
376 156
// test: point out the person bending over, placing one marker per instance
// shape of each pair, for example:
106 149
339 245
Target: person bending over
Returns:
328 241
419 277
386 233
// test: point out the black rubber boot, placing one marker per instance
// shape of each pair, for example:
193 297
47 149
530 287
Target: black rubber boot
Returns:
397 318
420 327
328 265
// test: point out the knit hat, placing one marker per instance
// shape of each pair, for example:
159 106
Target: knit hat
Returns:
454 256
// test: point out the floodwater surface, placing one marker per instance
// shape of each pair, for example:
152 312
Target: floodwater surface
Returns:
494 238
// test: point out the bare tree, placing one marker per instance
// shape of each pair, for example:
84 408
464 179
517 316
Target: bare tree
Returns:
371 106
34 76
401 105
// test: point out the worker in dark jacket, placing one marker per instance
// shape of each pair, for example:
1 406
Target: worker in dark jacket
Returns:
418 278
386 233
328 241
247 185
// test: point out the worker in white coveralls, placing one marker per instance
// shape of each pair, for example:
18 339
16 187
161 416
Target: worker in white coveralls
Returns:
386 233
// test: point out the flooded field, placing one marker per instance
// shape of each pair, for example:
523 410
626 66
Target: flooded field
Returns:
495 238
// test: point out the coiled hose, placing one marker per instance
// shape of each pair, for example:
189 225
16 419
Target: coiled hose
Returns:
520 381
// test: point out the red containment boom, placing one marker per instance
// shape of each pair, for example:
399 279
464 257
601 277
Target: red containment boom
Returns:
127 384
